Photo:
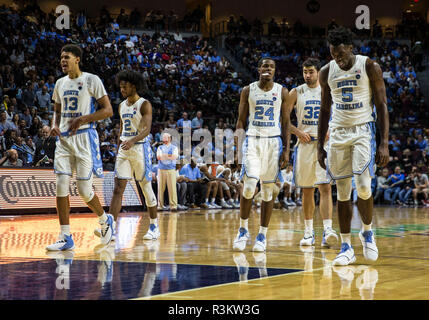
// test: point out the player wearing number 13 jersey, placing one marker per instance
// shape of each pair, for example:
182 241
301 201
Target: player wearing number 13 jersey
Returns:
351 85
77 149
263 108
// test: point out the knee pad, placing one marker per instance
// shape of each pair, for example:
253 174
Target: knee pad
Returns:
85 189
363 185
63 185
344 189
148 193
267 191
249 187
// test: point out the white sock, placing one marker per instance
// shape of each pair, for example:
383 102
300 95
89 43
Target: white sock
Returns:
65 229
308 225
244 223
263 230
346 238
154 221
103 218
222 200
327 223
213 200
366 227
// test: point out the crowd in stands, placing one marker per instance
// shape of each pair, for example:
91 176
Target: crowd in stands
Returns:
190 87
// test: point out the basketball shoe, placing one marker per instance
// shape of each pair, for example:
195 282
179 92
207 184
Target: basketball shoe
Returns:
153 232
63 243
97 231
241 239
370 251
308 239
330 237
345 257
260 243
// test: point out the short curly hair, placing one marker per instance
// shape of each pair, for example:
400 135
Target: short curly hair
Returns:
340 36
133 77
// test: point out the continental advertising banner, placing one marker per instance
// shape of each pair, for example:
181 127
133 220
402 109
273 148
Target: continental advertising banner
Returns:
36 189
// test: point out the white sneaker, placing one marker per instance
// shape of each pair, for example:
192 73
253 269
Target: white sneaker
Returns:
107 230
241 239
292 204
370 251
153 232
97 232
345 257
225 205
260 243
215 206
236 205
63 243
308 239
330 237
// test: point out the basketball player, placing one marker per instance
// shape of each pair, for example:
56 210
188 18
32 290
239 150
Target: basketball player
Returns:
351 83
263 105
77 146
307 172
133 160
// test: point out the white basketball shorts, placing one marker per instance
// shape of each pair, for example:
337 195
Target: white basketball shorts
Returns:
261 157
80 152
135 163
351 150
307 172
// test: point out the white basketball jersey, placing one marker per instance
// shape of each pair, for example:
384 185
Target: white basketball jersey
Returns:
307 109
264 111
77 98
131 117
351 94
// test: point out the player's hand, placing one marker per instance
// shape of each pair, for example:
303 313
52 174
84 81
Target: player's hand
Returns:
127 145
54 132
382 155
321 156
284 160
303 137
75 124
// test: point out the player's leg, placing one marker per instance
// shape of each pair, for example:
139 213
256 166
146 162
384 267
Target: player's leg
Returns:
153 232
65 240
365 206
64 163
345 214
308 207
325 207
267 190
115 204
206 204
243 235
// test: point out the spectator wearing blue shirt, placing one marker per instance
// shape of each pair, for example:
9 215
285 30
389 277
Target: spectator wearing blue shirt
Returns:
167 155
43 98
395 180
184 123
421 143
197 122
193 174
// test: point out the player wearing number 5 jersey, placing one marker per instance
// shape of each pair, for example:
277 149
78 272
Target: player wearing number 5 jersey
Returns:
263 108
77 149
308 174
351 84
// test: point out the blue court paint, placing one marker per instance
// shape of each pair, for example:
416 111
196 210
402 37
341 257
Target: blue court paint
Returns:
68 279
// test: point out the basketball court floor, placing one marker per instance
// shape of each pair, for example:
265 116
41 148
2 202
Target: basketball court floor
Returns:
194 259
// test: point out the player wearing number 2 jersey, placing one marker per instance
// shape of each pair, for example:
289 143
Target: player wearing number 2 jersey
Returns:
351 84
263 108
308 174
77 146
